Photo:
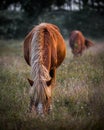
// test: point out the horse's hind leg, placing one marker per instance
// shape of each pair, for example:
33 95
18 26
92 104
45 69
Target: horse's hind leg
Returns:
53 76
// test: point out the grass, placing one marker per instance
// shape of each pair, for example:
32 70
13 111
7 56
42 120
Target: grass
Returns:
78 99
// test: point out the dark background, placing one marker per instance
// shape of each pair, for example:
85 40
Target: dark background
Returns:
18 17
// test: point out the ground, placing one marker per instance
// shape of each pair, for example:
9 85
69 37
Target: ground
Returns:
77 99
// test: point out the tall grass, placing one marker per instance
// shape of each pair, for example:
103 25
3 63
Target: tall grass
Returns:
78 99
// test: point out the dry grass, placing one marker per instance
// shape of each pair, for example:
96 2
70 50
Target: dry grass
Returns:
78 99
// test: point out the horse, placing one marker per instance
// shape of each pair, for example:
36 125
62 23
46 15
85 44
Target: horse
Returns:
78 42
44 51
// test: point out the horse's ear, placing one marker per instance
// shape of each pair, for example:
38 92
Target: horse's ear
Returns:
49 82
31 82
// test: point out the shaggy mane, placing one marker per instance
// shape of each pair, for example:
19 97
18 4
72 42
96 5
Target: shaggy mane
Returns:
39 73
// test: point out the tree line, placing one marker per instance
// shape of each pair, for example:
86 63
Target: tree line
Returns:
17 17
37 6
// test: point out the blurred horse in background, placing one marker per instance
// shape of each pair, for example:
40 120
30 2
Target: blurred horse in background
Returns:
78 42
44 50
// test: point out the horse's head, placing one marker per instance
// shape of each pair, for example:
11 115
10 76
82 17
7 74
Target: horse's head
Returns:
40 97
76 48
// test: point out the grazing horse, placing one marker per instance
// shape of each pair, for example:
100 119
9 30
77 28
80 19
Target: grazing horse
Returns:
78 42
44 51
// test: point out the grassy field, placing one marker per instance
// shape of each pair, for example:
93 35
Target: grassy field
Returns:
78 99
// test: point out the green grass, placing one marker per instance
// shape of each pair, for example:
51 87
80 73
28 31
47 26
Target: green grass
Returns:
78 99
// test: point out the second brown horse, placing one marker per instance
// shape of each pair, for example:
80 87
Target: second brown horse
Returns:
78 42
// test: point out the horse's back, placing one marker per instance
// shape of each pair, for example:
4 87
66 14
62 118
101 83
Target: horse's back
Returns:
58 46
53 39
76 37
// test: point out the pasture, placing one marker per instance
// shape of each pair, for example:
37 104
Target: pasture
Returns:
78 99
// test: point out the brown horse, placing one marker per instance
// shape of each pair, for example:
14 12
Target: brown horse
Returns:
78 42
44 51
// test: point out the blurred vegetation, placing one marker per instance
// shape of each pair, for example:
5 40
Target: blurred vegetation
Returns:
18 17
37 6
17 25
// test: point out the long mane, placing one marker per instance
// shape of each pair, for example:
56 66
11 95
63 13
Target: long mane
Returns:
39 72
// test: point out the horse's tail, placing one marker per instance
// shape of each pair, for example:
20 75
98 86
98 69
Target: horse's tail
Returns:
39 72
88 43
